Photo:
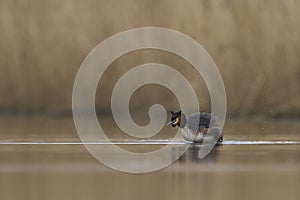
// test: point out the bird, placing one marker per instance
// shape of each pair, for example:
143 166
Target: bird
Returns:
196 127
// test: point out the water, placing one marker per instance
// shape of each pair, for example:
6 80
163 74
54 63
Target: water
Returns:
44 159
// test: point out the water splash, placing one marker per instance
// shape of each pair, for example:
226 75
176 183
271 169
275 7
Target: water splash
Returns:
258 142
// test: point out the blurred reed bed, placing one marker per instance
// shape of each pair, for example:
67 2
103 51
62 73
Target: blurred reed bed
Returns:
255 44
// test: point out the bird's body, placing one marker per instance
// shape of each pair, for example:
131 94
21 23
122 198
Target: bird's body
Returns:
197 126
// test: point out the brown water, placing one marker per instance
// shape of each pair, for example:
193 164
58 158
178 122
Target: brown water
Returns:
247 166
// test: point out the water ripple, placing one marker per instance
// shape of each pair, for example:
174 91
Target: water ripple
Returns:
149 142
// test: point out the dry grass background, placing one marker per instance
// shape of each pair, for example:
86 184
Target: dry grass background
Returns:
255 43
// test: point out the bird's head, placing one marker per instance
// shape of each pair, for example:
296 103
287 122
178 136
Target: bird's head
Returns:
175 119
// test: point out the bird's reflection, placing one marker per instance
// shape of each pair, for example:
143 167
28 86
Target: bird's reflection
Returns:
192 154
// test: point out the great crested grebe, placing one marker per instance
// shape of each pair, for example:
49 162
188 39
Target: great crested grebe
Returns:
196 126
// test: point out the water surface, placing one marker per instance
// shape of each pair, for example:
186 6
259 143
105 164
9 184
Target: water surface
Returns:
46 160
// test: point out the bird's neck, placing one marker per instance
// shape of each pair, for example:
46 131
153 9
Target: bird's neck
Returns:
182 121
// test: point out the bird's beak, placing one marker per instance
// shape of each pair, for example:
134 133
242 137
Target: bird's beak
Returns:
169 124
